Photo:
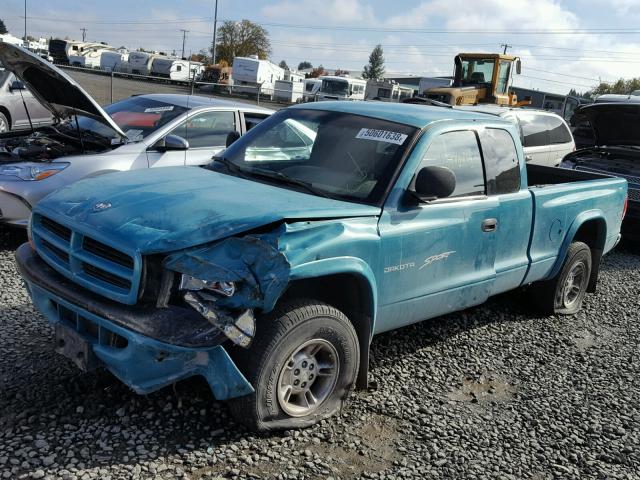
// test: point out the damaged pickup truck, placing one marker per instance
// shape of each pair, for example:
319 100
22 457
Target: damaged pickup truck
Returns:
268 271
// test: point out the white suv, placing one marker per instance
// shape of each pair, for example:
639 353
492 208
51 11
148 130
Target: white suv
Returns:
546 137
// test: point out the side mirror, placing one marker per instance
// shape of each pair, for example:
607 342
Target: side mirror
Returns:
16 85
232 137
171 142
518 67
433 183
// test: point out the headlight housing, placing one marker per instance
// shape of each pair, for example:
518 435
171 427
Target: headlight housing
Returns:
191 283
33 172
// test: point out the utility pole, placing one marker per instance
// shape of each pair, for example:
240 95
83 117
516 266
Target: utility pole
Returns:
84 33
505 47
184 36
215 26
25 24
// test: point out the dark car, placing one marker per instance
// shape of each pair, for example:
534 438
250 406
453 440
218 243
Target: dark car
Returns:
616 151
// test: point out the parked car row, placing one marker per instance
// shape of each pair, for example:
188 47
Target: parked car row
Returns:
268 270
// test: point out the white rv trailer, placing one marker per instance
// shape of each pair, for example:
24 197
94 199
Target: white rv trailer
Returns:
111 61
176 69
341 88
288 91
251 74
386 91
293 76
89 57
140 62
311 88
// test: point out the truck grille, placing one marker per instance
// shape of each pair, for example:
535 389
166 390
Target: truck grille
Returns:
633 194
101 268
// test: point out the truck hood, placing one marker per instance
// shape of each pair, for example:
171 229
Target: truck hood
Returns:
169 209
613 123
57 91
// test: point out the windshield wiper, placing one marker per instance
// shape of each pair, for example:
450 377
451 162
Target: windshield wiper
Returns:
287 180
229 165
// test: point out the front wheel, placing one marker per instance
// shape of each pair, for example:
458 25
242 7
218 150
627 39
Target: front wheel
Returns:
564 293
5 126
303 364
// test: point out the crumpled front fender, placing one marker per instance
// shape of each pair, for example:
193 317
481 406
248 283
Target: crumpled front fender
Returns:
253 262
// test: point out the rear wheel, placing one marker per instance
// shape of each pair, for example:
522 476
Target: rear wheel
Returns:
5 126
564 293
303 365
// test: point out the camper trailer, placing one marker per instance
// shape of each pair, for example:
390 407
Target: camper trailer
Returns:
293 76
311 88
63 50
176 69
111 61
140 62
89 57
288 91
386 91
251 74
341 88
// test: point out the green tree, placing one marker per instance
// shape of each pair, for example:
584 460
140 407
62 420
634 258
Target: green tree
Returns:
284 65
3 28
620 86
304 64
241 39
375 69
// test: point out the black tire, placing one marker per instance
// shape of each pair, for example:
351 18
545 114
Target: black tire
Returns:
549 296
5 124
278 336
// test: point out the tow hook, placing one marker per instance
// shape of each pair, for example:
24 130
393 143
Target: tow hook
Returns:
239 329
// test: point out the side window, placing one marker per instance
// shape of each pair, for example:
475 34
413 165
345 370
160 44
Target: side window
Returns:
503 76
500 161
253 119
558 131
534 130
208 129
459 152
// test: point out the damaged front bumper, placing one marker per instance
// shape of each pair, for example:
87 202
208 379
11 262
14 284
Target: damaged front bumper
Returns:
146 348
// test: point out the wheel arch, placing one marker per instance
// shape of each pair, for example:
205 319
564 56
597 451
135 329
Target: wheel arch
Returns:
590 228
348 284
5 112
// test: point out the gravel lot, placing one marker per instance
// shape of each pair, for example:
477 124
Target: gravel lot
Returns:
493 392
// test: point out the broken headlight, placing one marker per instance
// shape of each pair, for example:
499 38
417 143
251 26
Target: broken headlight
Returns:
191 283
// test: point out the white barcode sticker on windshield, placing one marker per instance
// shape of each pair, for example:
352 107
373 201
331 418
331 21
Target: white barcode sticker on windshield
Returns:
381 136
168 108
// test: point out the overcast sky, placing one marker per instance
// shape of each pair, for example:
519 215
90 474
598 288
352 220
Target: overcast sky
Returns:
418 37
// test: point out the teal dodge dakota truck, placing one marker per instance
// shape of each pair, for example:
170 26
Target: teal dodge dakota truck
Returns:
268 271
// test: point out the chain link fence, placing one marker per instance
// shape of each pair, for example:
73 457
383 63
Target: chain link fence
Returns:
108 87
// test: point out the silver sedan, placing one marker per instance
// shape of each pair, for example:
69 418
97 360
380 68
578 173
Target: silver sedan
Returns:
161 130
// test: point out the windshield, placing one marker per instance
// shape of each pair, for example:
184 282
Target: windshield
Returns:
333 154
476 72
335 87
138 117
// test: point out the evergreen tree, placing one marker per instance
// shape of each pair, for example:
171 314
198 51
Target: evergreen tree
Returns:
284 65
305 64
3 28
375 69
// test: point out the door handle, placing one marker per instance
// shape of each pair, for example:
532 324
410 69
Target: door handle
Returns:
490 225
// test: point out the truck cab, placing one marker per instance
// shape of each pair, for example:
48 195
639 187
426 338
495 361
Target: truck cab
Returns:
269 271
479 78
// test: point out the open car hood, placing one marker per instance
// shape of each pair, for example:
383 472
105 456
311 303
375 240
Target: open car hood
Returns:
612 123
56 90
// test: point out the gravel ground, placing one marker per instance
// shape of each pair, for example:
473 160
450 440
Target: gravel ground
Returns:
491 393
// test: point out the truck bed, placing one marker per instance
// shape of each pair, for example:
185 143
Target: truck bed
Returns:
562 200
541 175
